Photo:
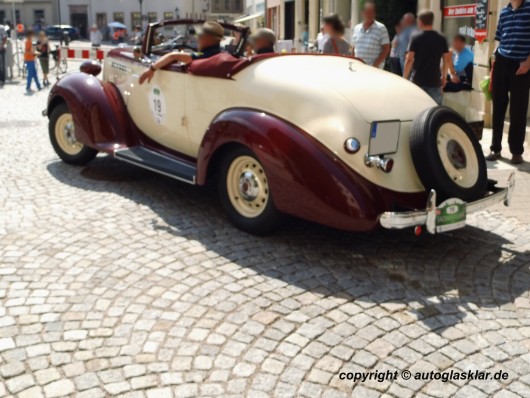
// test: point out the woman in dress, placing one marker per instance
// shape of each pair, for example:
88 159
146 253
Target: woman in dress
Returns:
43 48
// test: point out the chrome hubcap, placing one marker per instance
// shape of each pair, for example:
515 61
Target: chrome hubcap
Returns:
65 135
248 186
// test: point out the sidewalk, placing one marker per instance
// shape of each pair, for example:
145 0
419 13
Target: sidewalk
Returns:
501 170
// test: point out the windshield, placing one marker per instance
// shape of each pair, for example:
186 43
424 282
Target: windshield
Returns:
183 37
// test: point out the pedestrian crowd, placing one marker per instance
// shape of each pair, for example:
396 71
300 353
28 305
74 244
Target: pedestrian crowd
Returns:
422 55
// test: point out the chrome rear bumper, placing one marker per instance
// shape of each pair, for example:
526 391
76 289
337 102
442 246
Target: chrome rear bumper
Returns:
427 217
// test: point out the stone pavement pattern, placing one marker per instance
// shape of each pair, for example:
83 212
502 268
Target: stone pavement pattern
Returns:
118 282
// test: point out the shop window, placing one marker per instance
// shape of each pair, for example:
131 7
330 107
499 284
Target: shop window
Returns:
38 16
119 17
101 20
169 15
136 19
152 17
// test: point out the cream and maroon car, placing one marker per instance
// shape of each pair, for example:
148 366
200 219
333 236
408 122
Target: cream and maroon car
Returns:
321 137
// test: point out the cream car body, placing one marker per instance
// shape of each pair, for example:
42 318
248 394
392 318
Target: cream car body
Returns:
331 98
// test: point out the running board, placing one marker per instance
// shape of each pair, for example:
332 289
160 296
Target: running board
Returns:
162 164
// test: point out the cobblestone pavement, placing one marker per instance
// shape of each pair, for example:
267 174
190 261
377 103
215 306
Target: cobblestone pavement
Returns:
116 281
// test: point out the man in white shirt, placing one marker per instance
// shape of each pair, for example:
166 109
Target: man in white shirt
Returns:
321 39
370 38
95 36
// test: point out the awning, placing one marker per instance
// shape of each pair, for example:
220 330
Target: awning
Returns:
249 17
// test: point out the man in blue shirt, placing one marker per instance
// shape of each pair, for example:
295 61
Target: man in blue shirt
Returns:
461 69
511 78
408 28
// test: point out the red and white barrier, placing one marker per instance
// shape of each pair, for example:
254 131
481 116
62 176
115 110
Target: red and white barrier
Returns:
83 53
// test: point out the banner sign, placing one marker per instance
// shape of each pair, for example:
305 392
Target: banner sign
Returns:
481 22
462 11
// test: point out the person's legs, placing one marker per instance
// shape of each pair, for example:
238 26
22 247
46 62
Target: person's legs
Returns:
435 93
469 74
451 87
2 66
519 93
32 75
36 75
30 68
500 102
44 63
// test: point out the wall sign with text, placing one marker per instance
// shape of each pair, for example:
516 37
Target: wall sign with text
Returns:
481 21
461 11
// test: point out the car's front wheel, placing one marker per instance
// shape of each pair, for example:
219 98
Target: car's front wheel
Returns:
63 140
245 193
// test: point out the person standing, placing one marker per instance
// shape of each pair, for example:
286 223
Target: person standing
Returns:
321 39
335 43
408 28
395 64
95 36
3 42
10 61
29 60
426 49
43 48
461 68
371 42
511 78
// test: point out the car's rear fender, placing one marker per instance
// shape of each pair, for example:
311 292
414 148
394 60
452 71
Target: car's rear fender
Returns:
306 179
99 113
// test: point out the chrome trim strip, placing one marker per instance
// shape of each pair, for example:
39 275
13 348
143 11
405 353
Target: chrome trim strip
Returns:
427 217
126 160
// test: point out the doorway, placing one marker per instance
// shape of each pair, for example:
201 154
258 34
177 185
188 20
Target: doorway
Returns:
289 20
79 19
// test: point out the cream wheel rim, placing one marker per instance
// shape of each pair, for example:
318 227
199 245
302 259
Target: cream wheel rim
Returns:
248 187
65 135
458 155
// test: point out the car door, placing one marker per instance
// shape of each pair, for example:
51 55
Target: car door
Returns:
158 108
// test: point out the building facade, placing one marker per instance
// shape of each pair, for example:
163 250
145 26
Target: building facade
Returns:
29 12
254 14
85 13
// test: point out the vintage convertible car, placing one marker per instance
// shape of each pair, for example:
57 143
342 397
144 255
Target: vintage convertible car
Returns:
320 137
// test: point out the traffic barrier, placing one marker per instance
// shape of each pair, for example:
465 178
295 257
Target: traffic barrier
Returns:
83 53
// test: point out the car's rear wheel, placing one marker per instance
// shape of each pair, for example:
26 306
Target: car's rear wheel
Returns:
245 193
447 155
63 140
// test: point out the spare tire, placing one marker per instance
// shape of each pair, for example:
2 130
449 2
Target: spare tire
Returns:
447 156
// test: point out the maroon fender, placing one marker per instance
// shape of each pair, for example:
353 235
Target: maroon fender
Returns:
306 179
100 116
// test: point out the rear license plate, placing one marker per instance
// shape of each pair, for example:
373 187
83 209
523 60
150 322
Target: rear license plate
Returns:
451 215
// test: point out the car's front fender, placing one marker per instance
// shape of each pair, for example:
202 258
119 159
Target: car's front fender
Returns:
306 179
99 113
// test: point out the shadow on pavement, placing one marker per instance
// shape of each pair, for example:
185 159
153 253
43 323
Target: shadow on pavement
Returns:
438 280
